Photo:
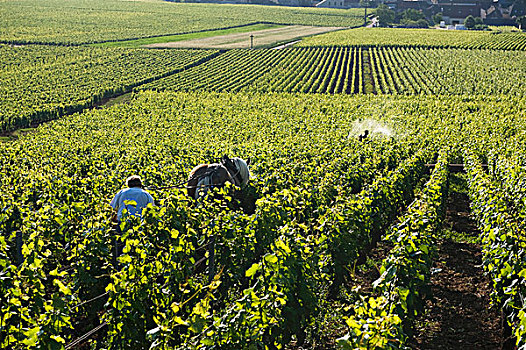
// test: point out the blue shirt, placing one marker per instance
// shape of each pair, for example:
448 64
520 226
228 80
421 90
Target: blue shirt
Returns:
134 199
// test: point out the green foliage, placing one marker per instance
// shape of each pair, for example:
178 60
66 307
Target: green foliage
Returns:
316 213
385 15
80 21
43 82
396 37
40 83
469 22
412 15
288 70
502 224
445 71
382 322
323 197
408 23
343 70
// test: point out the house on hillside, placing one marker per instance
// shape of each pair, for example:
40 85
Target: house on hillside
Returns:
392 4
339 4
421 5
500 14
336 4
453 11
456 13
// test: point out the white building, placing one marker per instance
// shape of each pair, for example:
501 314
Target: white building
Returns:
338 4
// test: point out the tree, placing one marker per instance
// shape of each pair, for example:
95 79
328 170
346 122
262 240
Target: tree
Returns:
412 15
469 22
478 21
422 23
437 18
412 18
385 15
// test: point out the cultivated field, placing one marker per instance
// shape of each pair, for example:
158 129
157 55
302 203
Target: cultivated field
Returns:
40 83
89 21
356 70
426 38
409 235
260 38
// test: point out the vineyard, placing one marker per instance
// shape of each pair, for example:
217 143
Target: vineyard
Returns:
356 70
40 83
315 216
80 21
344 247
421 38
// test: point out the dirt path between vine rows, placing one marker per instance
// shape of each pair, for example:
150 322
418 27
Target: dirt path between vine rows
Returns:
459 316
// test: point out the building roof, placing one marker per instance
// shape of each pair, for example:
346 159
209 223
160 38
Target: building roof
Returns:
459 10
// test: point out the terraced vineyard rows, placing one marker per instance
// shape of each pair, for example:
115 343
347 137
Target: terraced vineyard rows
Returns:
288 70
447 72
81 77
380 321
503 239
341 242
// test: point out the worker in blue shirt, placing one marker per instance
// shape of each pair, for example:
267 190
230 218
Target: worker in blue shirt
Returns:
134 199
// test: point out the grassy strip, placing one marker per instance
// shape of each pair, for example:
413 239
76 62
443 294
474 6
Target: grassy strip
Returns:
179 37
125 98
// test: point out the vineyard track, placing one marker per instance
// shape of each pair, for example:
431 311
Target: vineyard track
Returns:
459 315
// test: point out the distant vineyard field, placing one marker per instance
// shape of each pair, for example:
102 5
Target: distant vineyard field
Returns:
448 71
83 21
426 38
39 83
356 70
289 70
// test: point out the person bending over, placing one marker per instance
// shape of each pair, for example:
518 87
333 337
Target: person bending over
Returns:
133 198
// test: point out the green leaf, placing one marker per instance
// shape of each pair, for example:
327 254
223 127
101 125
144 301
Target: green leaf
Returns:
252 270
32 336
78 207
283 246
58 339
207 342
271 258
63 289
180 321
